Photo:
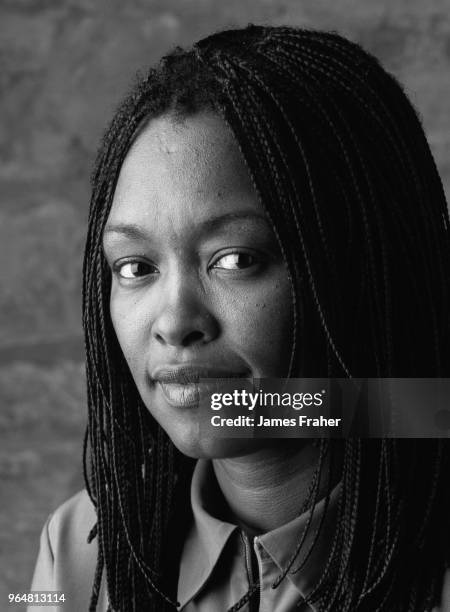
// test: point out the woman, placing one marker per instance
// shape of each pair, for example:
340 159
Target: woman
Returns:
264 205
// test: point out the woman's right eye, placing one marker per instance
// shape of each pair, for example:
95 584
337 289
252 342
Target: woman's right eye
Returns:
130 270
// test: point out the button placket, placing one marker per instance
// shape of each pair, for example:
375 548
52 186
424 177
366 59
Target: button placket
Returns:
265 569
254 603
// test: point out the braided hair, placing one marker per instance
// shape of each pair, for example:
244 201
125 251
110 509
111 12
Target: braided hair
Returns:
346 178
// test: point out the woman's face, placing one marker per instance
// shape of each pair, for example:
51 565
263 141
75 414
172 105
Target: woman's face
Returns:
199 285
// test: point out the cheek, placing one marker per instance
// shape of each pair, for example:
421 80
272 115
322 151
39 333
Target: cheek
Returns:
130 331
262 326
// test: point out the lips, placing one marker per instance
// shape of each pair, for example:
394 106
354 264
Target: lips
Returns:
181 386
181 395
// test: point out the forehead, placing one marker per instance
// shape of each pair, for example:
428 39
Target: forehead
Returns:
182 182
203 134
180 158
181 178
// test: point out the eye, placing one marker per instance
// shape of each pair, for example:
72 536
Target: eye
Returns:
133 269
235 261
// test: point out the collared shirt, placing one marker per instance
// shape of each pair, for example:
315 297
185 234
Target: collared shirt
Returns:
216 568
214 573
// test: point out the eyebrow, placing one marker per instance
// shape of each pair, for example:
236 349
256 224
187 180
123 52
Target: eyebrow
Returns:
137 232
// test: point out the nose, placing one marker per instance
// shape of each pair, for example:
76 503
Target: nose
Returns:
184 319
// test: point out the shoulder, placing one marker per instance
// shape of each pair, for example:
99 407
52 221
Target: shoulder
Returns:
68 530
72 521
74 560
66 562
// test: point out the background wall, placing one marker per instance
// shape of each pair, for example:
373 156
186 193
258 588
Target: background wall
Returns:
64 66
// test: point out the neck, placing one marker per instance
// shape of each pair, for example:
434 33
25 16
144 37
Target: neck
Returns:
267 488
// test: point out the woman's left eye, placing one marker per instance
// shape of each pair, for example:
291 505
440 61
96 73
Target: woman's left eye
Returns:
235 261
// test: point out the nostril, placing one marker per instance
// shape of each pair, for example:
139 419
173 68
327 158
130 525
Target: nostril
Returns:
193 338
160 338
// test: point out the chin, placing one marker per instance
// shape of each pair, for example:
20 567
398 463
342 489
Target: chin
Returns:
216 448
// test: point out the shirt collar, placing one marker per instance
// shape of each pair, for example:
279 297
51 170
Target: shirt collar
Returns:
208 535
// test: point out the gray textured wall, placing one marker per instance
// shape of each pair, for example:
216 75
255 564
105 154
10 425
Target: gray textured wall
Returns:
64 65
